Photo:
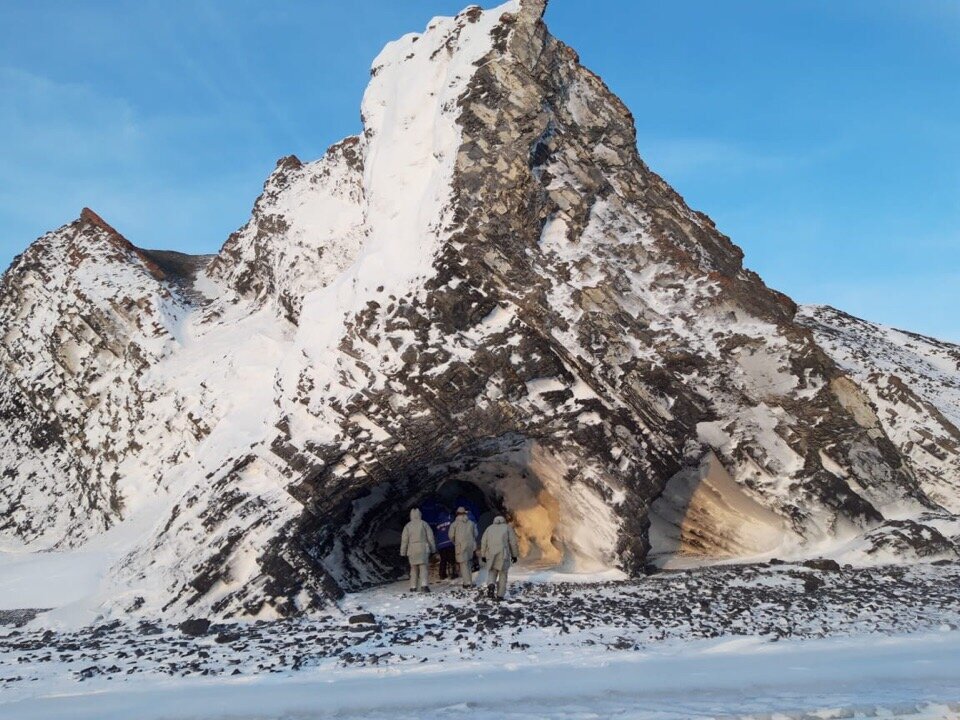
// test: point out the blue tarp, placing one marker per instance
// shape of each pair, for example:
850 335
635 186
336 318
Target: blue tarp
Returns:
438 518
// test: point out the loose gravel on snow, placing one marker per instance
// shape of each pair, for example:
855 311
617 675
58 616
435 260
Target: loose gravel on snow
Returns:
388 626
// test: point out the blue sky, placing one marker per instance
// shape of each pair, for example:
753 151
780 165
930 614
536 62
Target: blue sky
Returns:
823 136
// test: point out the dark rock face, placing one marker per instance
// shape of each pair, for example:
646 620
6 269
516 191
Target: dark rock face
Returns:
568 339
18 618
909 539
913 384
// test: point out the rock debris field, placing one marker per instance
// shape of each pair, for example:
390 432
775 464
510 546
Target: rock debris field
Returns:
389 626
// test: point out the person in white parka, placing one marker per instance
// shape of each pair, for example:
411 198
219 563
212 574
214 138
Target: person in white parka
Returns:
417 544
463 534
498 550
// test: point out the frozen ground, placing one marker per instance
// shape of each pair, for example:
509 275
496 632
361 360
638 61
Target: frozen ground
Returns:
759 641
908 677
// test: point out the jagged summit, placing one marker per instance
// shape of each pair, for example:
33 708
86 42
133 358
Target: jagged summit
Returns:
485 294
102 230
532 9
89 216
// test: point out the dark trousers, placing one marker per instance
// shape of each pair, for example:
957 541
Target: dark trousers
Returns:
448 562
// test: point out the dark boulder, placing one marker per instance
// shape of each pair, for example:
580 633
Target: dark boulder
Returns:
195 627
362 619
823 564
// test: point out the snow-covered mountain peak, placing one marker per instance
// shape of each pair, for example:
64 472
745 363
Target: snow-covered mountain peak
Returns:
84 314
368 215
485 295
89 238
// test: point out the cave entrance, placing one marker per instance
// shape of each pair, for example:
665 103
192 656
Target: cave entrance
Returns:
561 523
435 506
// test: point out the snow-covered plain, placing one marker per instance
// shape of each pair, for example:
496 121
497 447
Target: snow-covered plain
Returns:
758 641
907 677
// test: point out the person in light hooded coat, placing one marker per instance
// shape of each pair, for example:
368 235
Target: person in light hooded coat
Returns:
498 550
417 545
463 534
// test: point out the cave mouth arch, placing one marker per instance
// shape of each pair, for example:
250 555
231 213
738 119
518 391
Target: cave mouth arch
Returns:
563 522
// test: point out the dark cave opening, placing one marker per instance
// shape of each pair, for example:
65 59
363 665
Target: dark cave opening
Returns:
561 523
450 494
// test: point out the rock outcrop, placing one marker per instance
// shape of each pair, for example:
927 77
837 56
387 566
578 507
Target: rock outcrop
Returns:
912 384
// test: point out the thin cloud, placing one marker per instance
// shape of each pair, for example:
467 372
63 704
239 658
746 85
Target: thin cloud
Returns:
67 146
684 157
226 33
44 121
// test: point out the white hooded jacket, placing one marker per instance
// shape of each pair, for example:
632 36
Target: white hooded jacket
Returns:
499 544
463 534
417 543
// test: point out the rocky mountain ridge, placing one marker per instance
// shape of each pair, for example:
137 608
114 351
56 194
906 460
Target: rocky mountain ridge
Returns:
489 290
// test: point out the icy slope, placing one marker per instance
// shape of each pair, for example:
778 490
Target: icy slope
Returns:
307 227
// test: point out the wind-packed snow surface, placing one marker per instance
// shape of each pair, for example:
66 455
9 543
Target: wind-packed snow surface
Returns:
485 290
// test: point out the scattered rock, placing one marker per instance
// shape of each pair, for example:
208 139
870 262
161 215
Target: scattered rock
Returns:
363 619
823 564
195 627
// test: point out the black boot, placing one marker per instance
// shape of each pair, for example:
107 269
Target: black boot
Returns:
425 589
491 590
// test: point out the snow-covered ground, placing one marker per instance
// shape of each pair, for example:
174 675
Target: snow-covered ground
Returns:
758 641
910 677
